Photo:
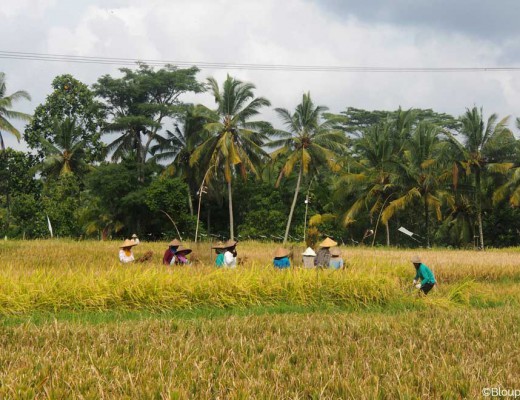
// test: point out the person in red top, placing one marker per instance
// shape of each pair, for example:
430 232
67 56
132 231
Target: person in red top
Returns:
169 254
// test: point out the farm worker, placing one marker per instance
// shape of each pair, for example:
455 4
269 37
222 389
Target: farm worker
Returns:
336 262
281 258
424 274
169 254
323 256
135 238
308 258
125 251
181 256
230 255
219 250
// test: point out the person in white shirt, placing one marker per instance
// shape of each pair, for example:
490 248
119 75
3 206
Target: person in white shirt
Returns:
308 258
125 251
135 238
230 255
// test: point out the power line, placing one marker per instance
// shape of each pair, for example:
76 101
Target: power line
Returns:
16 55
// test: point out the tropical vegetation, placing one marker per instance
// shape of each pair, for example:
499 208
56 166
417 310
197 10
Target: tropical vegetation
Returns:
129 154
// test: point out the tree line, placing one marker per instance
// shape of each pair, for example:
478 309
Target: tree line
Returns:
127 155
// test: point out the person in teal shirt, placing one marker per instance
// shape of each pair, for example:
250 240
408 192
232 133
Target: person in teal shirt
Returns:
424 274
281 259
219 250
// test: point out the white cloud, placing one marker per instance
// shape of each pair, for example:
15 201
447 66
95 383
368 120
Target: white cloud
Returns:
273 32
25 8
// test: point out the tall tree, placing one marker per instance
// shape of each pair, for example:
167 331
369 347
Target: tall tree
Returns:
376 163
6 112
70 99
511 188
16 179
353 120
66 154
370 174
235 141
308 143
421 176
178 146
138 104
470 153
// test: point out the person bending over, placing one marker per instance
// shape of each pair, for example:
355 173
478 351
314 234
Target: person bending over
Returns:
424 275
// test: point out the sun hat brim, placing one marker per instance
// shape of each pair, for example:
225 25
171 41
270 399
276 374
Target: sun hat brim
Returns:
280 252
309 252
328 243
183 250
229 244
416 260
128 243
335 252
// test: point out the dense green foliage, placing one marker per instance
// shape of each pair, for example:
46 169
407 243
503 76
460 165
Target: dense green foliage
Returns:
70 99
453 181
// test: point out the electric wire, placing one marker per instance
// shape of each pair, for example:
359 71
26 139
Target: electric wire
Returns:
68 58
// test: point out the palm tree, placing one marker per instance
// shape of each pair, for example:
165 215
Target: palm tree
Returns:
372 179
420 175
6 103
461 219
133 129
179 145
470 158
67 154
377 162
95 218
510 189
307 144
235 142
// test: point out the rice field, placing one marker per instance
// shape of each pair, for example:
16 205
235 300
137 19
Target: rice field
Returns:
75 323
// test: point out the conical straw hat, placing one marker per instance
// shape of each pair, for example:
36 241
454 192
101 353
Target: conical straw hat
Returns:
416 259
134 235
230 243
328 243
128 243
279 252
309 252
182 249
218 245
335 252
174 242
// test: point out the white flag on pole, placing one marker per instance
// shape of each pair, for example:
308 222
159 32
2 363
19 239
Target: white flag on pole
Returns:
50 226
405 231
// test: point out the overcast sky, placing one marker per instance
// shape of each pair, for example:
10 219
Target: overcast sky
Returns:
397 33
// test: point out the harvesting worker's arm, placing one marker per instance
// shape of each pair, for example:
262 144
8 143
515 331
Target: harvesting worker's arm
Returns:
424 274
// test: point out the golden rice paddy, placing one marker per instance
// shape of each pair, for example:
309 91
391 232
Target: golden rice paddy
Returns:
360 332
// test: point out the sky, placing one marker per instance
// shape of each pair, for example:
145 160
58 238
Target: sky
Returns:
397 33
